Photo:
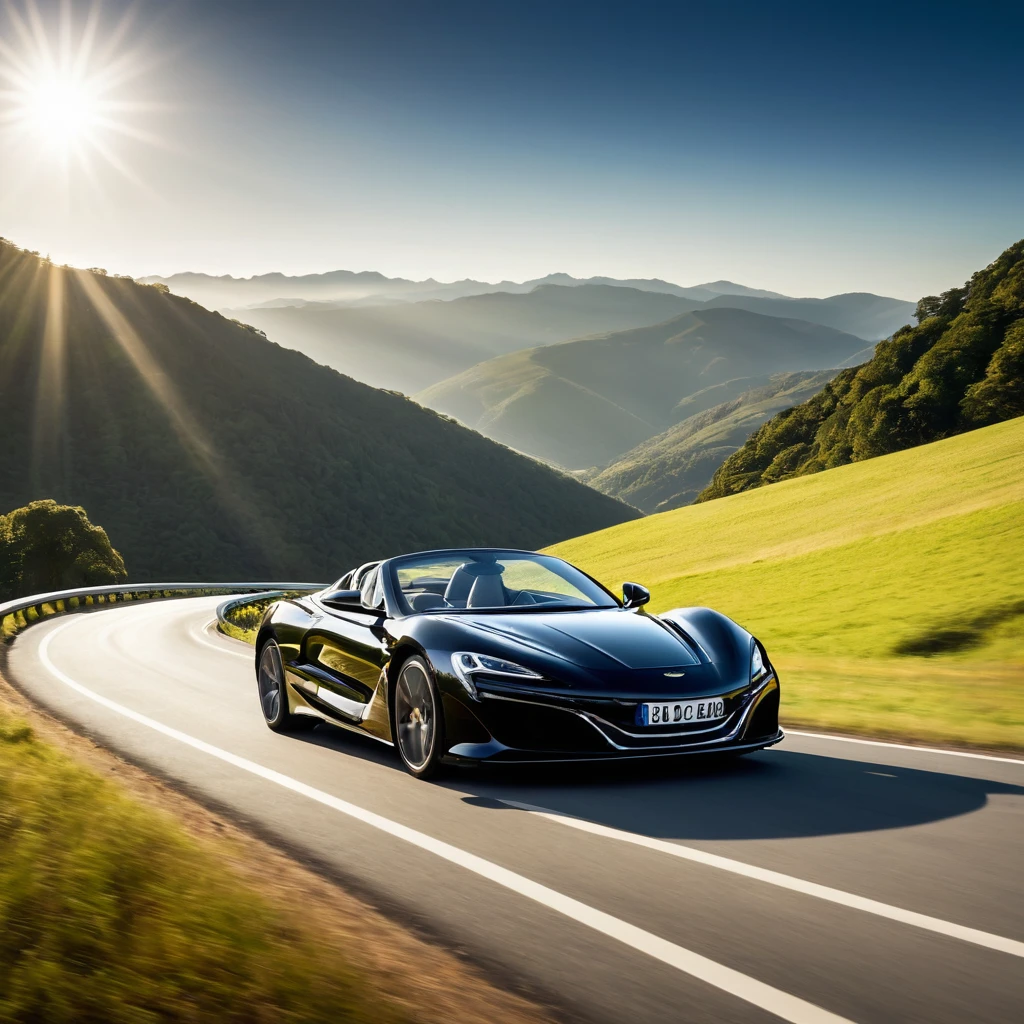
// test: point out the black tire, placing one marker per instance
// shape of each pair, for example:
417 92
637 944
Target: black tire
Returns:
417 719
273 692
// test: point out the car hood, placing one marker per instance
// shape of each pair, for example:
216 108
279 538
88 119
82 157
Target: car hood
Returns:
598 640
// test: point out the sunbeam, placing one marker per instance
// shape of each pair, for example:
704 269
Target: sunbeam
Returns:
228 488
47 433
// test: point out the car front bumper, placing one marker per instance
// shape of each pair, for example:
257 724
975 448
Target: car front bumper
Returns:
528 727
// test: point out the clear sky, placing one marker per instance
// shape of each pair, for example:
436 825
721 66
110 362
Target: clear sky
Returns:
807 148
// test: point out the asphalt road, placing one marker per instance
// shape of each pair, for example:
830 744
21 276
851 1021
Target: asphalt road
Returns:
820 880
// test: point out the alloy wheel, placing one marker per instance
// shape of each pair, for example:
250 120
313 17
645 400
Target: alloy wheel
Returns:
415 715
271 681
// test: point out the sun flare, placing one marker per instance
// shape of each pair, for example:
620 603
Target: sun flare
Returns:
60 110
69 88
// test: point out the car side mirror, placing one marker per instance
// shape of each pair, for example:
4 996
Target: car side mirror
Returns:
342 599
633 595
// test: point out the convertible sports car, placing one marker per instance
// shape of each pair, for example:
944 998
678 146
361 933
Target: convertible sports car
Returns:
493 655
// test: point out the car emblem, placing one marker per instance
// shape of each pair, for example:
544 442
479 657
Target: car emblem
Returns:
674 675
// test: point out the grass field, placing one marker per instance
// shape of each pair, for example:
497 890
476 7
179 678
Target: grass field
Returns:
110 912
890 593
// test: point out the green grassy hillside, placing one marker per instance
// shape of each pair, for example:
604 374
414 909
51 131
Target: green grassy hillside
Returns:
961 367
890 593
208 452
582 403
670 470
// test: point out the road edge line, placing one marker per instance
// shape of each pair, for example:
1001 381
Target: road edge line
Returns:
903 746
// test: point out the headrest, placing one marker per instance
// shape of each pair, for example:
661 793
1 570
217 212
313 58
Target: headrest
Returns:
482 568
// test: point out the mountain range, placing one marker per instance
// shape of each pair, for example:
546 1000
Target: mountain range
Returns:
346 287
409 346
582 403
208 452
412 345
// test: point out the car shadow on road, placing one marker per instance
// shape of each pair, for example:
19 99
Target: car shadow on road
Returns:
774 795
354 744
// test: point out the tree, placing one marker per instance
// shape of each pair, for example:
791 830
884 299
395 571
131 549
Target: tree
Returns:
45 546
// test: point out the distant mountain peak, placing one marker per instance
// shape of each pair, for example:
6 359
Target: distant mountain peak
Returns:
731 288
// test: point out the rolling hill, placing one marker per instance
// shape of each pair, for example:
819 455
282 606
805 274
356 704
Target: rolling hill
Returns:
888 592
583 402
671 469
871 317
410 346
207 452
960 368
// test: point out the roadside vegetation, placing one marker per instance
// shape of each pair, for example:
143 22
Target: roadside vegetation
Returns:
45 546
889 592
242 621
111 913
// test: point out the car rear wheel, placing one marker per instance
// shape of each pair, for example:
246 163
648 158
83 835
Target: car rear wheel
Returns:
417 719
273 693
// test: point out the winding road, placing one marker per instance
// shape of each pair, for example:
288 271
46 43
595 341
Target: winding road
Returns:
822 880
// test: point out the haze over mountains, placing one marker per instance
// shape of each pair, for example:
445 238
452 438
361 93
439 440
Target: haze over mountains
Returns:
583 402
210 453
410 346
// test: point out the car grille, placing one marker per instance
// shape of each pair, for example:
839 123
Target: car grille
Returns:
618 718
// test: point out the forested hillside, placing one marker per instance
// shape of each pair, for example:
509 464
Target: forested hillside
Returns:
962 367
208 452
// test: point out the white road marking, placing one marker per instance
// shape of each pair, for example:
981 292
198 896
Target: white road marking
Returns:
823 892
200 635
766 997
905 746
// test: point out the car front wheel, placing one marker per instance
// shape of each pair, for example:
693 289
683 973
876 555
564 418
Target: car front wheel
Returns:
417 719
273 693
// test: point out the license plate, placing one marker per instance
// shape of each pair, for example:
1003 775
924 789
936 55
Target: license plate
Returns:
683 712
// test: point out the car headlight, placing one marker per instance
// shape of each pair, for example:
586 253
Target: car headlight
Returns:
466 664
758 669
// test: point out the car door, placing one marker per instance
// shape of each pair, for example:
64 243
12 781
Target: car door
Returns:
346 652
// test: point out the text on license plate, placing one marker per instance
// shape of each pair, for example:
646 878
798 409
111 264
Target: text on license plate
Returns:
682 711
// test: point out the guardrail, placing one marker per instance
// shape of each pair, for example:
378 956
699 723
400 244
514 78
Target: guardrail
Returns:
224 609
23 612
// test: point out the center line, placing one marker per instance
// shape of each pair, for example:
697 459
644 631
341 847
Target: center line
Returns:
823 892
742 986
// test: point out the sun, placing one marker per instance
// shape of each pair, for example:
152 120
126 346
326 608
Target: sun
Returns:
70 88
60 110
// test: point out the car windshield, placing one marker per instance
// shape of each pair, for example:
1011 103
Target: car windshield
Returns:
490 580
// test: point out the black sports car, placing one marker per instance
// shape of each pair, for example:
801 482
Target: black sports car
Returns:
492 655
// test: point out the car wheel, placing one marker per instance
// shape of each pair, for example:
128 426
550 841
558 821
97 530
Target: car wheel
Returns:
273 693
417 719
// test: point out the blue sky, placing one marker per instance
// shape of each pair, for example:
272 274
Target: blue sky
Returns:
807 148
